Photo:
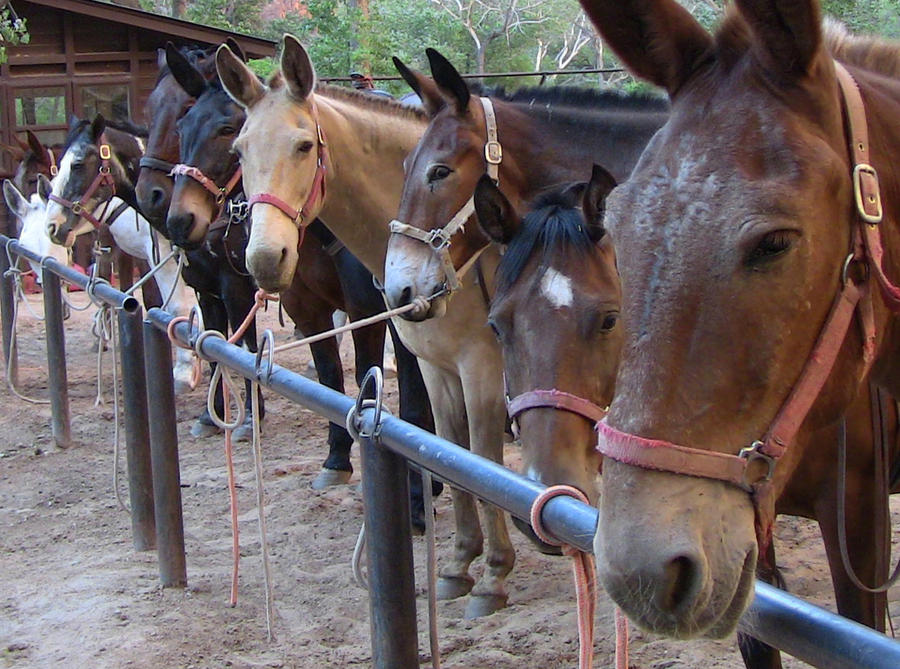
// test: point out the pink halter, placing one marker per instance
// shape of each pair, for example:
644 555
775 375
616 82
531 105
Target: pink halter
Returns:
866 252
220 194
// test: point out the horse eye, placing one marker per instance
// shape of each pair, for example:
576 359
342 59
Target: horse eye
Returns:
226 131
438 172
609 321
77 167
304 147
771 245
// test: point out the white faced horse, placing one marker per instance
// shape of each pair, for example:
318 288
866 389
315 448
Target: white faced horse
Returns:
33 235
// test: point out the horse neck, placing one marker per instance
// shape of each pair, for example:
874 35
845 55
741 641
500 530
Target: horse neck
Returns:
566 141
366 148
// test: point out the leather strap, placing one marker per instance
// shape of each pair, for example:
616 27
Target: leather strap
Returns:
157 164
439 238
51 161
555 399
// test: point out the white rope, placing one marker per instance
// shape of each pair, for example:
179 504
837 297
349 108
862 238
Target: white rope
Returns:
261 509
356 561
13 353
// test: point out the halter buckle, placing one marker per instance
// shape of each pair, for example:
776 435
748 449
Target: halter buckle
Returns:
105 152
54 170
77 208
872 194
751 453
238 210
437 239
493 152
321 134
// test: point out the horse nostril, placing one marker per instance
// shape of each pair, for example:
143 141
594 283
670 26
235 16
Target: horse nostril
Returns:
284 253
679 577
405 296
157 195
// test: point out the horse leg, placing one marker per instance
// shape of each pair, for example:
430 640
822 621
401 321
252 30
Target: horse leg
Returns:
238 292
214 318
150 293
486 413
449 408
415 408
756 654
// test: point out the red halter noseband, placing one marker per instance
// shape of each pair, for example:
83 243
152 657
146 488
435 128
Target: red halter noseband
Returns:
301 217
553 399
220 194
104 176
854 294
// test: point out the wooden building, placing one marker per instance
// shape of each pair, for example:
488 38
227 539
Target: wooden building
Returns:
87 56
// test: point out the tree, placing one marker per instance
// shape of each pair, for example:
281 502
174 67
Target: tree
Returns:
12 30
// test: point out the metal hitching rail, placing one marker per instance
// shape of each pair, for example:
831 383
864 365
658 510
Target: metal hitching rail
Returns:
801 629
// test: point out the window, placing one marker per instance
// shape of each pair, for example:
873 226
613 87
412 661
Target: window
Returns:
40 106
111 100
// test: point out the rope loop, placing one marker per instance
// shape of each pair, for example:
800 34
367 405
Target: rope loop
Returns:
537 508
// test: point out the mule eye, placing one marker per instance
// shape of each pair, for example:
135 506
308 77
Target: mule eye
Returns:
226 131
771 245
304 147
438 172
609 321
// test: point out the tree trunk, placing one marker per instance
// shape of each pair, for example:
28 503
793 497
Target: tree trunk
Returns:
179 8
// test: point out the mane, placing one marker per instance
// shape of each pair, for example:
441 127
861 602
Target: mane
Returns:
554 222
378 103
578 96
75 131
870 53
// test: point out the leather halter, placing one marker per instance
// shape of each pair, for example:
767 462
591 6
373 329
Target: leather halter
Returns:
552 399
219 194
439 238
301 217
51 161
151 163
104 176
866 252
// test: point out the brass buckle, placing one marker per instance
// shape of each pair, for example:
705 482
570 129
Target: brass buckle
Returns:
493 152
77 208
751 453
874 198
105 152
321 134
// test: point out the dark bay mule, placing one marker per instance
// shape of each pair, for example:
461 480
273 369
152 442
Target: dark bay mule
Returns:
544 136
735 235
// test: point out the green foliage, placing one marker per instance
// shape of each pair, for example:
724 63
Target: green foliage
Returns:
875 17
12 31
237 15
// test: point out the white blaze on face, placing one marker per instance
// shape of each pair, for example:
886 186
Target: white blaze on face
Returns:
557 288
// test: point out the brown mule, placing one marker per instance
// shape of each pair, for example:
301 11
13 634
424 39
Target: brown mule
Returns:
732 237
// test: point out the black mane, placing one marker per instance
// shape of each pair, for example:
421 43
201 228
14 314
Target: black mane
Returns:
576 96
554 221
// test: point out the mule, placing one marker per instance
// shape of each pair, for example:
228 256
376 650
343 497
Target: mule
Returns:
30 211
562 130
734 234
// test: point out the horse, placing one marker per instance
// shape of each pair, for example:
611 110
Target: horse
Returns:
99 165
564 130
747 239
555 313
30 211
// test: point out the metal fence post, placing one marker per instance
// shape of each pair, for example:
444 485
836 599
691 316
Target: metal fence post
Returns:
137 429
392 596
7 307
164 458
56 359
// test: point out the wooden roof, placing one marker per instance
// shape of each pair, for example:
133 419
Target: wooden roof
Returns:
254 47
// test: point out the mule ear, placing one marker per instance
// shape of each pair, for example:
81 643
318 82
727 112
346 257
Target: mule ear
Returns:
44 187
236 49
14 198
424 87
297 68
495 214
35 145
789 32
238 80
187 76
449 80
98 125
658 40
593 202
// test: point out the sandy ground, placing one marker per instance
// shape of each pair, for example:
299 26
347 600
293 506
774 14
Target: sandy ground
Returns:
74 593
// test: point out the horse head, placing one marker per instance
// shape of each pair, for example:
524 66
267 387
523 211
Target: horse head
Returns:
732 239
555 312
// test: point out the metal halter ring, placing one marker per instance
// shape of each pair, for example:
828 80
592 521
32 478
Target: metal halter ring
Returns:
437 239
267 345
751 453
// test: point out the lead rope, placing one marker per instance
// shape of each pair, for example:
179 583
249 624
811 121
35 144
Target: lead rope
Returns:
431 563
584 572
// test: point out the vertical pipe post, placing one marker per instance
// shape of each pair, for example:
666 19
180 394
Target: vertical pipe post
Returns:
7 307
137 429
164 458
56 359
392 597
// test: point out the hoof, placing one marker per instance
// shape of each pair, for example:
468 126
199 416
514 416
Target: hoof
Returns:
484 605
330 477
201 428
244 431
451 587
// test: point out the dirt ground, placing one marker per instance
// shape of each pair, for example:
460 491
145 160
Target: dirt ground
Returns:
74 593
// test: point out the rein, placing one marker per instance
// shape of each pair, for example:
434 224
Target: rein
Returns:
439 238
104 176
753 468
301 217
220 194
